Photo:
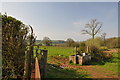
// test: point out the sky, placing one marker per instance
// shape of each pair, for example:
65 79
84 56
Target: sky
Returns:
62 20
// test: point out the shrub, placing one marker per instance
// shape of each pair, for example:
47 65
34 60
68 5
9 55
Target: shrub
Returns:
14 41
106 55
96 42
95 52
103 48
93 49
76 44
82 47
97 57
113 43
15 38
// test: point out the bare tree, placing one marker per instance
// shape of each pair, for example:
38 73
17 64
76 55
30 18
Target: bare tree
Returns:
103 36
93 27
46 41
70 42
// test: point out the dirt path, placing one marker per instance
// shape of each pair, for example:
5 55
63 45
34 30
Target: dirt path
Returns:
93 70
112 51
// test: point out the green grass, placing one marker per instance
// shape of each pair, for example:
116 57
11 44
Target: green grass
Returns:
112 64
75 64
57 72
58 51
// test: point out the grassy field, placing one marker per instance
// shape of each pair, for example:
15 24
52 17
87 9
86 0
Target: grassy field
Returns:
54 71
110 64
58 51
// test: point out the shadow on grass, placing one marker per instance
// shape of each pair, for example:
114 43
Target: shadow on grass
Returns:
54 71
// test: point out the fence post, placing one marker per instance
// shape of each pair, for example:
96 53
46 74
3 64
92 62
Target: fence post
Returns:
28 62
87 49
26 65
75 52
43 63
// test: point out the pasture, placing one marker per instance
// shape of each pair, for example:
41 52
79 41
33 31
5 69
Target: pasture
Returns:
58 51
58 65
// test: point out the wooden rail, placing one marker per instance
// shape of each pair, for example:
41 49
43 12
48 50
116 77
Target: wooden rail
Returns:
35 74
37 69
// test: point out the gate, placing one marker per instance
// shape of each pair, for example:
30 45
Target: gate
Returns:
36 66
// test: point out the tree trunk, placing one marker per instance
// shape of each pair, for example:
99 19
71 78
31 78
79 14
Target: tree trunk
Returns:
93 34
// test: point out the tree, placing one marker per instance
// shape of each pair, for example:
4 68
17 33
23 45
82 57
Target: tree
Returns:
96 42
14 43
46 41
82 47
103 38
70 42
14 35
93 27
0 45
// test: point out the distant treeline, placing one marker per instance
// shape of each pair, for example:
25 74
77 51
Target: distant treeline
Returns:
53 41
108 42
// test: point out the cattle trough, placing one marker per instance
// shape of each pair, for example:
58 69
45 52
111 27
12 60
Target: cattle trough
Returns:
79 58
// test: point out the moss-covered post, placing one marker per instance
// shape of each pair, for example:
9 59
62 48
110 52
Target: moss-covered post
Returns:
87 49
26 65
75 52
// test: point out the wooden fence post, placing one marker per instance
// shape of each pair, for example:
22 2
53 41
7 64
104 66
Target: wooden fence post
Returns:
28 63
43 62
75 57
87 49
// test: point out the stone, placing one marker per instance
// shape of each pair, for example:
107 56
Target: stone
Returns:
78 59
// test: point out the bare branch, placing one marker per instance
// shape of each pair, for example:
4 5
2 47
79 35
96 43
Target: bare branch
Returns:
96 24
86 32
98 29
88 26
31 29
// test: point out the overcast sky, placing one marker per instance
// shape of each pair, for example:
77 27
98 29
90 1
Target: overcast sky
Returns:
62 20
